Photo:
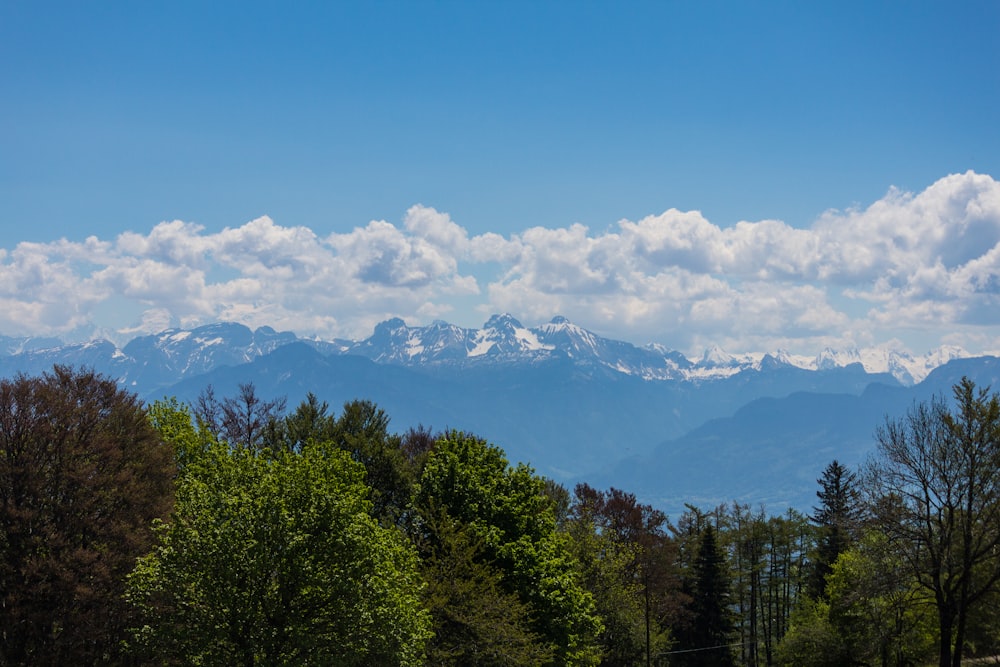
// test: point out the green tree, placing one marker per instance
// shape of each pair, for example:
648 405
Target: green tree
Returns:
310 423
706 640
362 430
82 476
812 640
476 621
271 557
836 518
629 565
508 511
881 615
935 492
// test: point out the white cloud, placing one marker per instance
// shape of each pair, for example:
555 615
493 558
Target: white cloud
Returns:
910 265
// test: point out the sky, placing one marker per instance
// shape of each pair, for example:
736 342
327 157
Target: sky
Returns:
758 176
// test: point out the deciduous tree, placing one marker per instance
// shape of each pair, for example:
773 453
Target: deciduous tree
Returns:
82 476
272 557
508 510
935 492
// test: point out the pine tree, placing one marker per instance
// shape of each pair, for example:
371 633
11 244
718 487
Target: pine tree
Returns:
836 518
705 641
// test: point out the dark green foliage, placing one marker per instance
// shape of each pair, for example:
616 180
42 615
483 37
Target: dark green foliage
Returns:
82 475
507 510
706 638
362 430
310 424
836 518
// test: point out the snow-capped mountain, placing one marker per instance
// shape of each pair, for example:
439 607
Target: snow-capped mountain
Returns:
504 340
151 361
574 404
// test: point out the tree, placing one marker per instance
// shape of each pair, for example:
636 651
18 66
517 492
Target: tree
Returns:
837 518
629 565
935 491
82 476
310 423
272 557
245 419
812 640
508 511
881 615
706 640
476 621
767 555
362 430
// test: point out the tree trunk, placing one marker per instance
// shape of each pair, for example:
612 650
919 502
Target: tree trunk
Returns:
944 645
959 639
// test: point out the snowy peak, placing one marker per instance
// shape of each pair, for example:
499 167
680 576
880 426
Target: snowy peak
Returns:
829 358
716 357
189 352
504 336
166 357
503 339
575 341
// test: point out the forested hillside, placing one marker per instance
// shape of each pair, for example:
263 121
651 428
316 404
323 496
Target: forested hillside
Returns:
239 529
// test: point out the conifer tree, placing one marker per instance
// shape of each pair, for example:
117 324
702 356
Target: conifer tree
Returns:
705 640
836 517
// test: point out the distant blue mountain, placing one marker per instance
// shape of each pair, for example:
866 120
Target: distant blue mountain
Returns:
772 450
576 406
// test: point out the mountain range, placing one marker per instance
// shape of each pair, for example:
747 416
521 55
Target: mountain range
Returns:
757 428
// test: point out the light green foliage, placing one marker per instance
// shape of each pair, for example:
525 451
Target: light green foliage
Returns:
935 487
877 606
608 570
271 557
361 430
507 510
175 424
812 640
629 565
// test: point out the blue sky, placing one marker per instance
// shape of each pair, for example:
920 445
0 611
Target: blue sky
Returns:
507 125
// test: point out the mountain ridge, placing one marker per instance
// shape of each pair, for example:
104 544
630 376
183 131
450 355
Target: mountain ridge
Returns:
501 340
574 405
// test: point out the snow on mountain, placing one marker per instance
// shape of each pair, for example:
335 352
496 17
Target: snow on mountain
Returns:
185 352
903 366
10 345
503 336
155 360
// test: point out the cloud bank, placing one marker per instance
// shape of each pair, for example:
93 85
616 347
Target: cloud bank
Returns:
920 269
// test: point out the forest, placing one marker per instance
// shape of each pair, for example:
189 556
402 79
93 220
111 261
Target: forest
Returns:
239 531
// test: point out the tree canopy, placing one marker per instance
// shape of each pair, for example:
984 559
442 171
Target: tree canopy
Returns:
272 557
507 510
934 488
82 476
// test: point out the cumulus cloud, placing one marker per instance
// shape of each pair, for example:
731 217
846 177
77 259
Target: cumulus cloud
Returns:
921 264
